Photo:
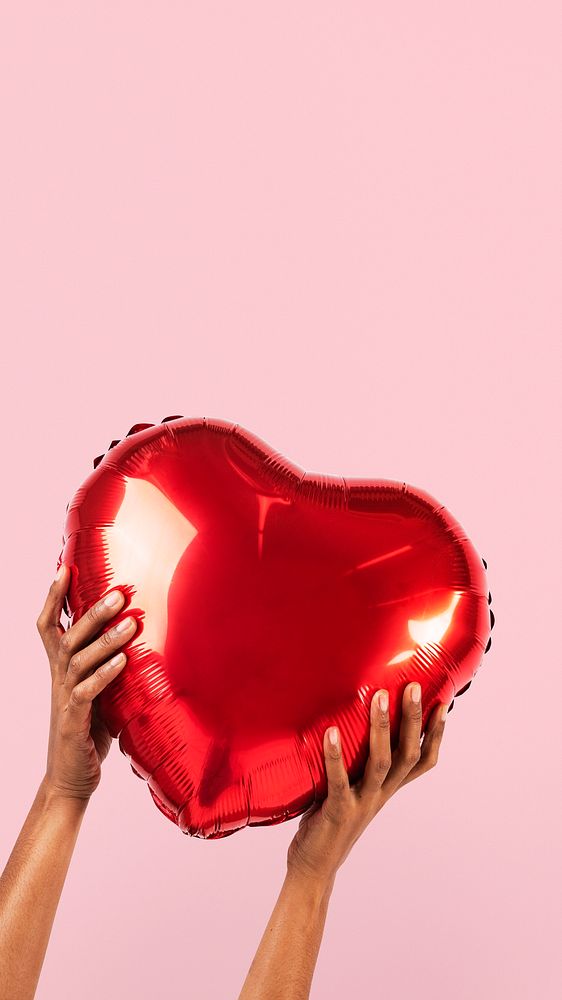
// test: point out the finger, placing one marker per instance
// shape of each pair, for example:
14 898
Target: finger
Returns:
380 758
91 623
48 622
431 743
339 792
82 696
87 659
408 752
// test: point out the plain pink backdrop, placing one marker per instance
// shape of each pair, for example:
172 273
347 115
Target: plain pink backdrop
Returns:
335 224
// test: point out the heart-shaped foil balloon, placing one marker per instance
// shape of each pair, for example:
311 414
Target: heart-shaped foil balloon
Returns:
271 604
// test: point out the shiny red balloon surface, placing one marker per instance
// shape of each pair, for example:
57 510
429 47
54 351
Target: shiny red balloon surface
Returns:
271 604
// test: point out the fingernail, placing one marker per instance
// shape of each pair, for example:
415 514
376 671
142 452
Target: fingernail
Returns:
444 711
59 573
113 599
124 625
415 693
383 701
333 736
117 660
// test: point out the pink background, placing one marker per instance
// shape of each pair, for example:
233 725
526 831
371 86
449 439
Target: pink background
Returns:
334 224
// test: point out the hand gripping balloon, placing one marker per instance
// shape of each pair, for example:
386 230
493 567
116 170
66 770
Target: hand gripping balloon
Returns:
271 604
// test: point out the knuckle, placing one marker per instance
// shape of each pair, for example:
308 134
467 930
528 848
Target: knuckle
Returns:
411 758
416 713
382 764
107 638
93 614
384 723
76 697
334 816
75 664
40 624
336 812
66 643
339 785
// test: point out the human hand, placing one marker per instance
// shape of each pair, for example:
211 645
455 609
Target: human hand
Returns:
327 832
81 667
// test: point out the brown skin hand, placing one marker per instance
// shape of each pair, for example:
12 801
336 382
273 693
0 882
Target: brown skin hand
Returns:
286 957
82 664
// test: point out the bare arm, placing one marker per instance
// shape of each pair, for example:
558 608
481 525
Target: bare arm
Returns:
30 888
285 960
31 884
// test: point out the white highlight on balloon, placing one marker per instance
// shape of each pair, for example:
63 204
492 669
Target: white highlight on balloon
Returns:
427 630
378 559
144 545
264 506
401 656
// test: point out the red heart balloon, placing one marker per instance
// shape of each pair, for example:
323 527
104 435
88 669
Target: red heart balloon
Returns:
271 604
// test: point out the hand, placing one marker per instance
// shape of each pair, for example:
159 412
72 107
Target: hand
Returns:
81 667
327 832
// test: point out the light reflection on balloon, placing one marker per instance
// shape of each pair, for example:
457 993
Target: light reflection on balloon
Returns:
145 544
426 630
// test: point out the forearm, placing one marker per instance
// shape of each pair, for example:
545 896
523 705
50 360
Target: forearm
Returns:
30 889
285 960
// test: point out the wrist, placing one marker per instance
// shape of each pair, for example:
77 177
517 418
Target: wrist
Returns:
313 885
53 799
